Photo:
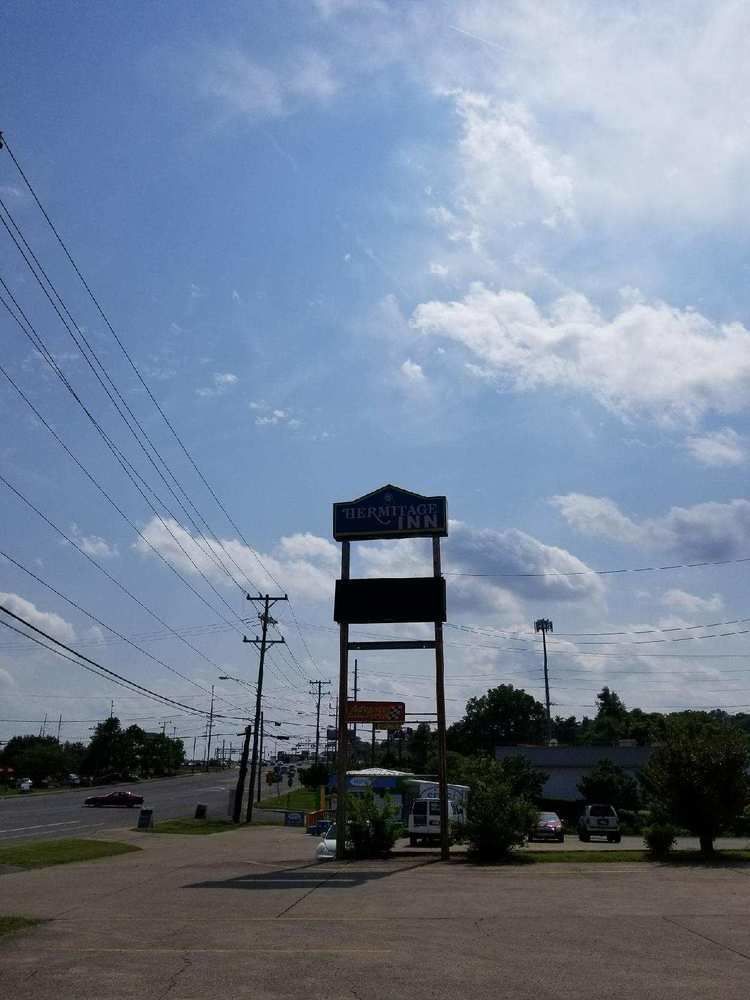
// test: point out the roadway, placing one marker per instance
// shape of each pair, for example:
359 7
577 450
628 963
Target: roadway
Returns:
60 814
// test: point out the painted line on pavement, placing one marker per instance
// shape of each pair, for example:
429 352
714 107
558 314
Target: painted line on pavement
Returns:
39 826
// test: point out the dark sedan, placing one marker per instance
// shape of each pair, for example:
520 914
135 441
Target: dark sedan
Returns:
548 827
120 799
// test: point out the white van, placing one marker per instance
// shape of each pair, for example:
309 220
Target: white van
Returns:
424 820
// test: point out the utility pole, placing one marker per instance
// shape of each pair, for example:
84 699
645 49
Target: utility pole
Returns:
356 692
319 686
544 625
43 730
240 790
210 728
372 754
260 768
262 643
59 727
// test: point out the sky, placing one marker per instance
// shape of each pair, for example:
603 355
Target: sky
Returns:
495 251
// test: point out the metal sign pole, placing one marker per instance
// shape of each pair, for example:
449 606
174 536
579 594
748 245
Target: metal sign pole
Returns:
343 749
440 698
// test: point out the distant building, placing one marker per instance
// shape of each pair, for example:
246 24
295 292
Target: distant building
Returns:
566 766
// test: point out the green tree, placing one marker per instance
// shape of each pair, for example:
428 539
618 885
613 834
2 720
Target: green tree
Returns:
698 775
372 824
608 783
314 776
504 716
497 819
421 749
35 757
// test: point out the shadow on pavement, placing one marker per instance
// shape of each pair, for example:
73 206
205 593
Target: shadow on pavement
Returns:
309 876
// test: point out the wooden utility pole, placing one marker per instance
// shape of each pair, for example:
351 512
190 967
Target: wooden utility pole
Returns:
241 776
342 749
319 686
440 699
261 643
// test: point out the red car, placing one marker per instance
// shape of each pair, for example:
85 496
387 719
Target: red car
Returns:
122 799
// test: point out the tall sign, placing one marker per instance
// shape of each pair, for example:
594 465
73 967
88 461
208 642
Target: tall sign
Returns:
389 512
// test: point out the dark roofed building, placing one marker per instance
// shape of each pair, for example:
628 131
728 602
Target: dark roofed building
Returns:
565 766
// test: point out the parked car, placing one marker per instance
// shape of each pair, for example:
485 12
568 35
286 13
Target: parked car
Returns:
548 826
599 820
119 799
24 784
72 780
326 849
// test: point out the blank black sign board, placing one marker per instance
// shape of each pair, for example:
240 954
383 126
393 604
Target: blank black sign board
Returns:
413 599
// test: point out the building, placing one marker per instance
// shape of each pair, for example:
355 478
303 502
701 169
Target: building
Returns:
566 766
402 787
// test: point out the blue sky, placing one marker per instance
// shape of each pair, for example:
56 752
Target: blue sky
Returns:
491 250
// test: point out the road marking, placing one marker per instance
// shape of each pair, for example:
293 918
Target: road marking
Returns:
41 826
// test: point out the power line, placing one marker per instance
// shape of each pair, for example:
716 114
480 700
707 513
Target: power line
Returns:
606 572
165 418
99 670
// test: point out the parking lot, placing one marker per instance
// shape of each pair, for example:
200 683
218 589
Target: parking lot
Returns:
248 914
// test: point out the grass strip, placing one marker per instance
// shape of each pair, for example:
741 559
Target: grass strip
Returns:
11 924
297 800
195 826
61 852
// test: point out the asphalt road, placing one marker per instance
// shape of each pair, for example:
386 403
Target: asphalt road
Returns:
246 915
63 814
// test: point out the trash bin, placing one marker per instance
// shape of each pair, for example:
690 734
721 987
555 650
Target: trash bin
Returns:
201 811
145 819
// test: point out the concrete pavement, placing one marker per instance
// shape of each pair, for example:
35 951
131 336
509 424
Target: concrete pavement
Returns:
248 914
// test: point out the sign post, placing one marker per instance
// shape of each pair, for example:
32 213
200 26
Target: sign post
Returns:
389 512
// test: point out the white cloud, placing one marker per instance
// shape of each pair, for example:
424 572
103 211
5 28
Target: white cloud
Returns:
94 545
48 621
508 174
724 447
271 417
439 270
308 565
671 364
681 600
412 372
243 87
705 531
221 382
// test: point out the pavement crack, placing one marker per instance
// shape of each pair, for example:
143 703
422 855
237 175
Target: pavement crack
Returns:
707 937
186 963
304 896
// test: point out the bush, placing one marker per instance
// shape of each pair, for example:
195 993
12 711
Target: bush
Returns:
372 828
497 818
659 839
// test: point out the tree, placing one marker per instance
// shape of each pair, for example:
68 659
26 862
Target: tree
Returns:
504 716
314 776
497 818
698 776
35 757
421 749
609 783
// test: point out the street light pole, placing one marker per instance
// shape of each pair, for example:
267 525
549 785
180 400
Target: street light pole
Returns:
544 625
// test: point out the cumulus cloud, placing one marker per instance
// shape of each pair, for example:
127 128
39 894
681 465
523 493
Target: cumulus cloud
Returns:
412 372
221 382
650 359
310 564
681 600
48 621
268 416
705 531
94 545
724 447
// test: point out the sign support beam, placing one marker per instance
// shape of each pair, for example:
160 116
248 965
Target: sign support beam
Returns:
342 750
440 698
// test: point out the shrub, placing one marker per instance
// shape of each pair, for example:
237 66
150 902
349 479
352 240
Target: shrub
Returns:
659 839
497 818
372 828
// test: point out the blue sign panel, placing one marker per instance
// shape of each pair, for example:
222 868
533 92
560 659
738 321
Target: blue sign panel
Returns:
294 819
390 512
